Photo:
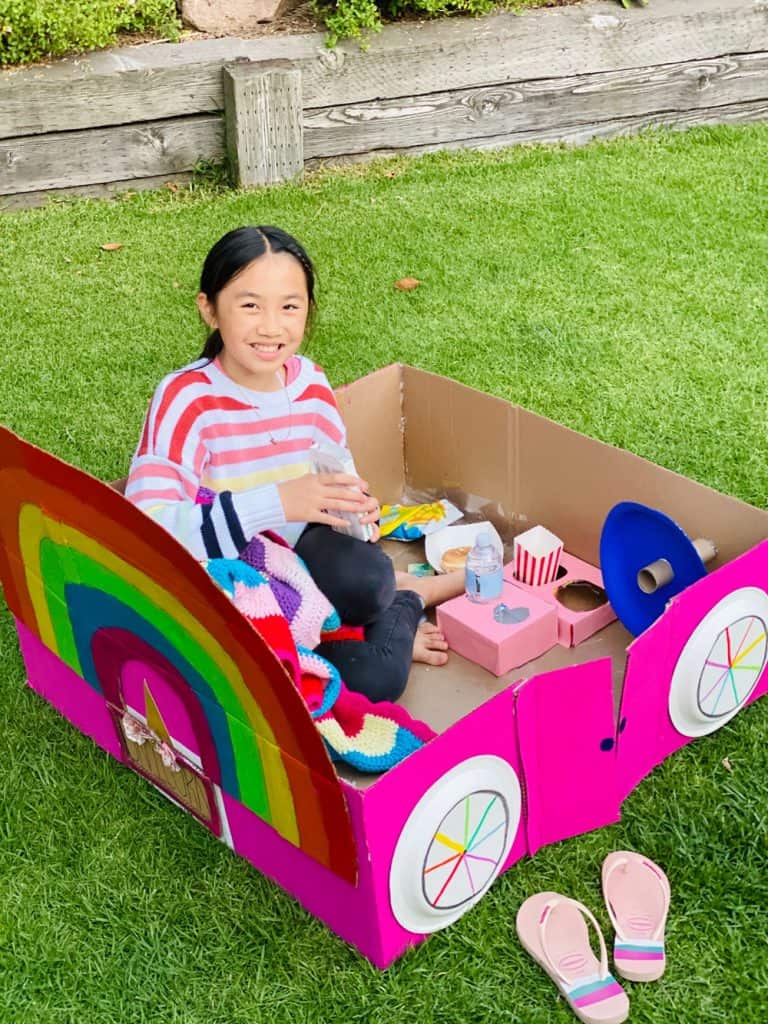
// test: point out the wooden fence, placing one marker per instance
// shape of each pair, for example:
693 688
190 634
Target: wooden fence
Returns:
139 116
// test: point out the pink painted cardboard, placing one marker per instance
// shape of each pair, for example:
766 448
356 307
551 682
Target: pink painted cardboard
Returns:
83 706
361 914
472 631
172 708
565 725
572 626
490 729
649 735
346 908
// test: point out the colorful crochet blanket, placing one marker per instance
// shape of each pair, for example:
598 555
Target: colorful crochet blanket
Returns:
271 586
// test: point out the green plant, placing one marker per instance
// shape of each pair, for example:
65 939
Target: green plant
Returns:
139 15
353 19
211 176
32 31
348 19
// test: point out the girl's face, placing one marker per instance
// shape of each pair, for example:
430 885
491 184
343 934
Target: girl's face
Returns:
261 315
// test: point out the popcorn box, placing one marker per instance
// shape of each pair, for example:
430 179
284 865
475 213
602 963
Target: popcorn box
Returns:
537 556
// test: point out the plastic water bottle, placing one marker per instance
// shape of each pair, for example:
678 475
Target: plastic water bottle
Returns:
483 579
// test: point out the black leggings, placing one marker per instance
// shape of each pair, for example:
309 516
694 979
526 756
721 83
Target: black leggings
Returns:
359 581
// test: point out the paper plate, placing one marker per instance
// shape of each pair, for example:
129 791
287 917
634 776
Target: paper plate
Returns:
460 536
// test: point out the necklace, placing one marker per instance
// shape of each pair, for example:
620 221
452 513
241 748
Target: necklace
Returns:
244 394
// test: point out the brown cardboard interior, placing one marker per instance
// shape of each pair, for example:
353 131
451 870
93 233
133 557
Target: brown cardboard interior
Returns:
502 462
372 412
570 482
518 469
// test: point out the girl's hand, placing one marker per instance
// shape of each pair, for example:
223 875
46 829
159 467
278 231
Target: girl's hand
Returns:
375 534
372 516
314 497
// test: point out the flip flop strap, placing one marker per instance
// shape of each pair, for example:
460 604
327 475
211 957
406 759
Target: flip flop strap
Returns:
587 913
652 868
638 949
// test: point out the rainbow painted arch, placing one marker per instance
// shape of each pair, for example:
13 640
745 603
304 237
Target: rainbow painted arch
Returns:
97 611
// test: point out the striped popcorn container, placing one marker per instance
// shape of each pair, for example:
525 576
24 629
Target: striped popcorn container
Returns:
537 556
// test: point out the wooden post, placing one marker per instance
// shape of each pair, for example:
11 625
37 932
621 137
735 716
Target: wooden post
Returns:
263 113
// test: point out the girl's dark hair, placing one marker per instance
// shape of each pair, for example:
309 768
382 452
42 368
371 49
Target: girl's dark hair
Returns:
233 253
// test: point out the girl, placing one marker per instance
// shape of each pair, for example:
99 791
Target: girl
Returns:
238 424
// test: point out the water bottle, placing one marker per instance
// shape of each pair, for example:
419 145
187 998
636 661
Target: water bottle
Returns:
483 579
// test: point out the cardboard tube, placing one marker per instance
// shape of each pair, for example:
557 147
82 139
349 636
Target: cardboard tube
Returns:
706 549
655 575
660 572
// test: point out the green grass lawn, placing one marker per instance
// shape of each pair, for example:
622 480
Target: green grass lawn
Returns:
620 289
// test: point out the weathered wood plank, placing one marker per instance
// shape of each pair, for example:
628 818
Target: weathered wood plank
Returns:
570 109
577 134
542 105
163 80
24 200
263 116
70 159
33 104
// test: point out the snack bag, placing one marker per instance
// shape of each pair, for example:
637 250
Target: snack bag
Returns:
412 522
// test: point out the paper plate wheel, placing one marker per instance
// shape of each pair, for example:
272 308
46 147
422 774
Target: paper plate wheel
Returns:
633 536
721 663
454 843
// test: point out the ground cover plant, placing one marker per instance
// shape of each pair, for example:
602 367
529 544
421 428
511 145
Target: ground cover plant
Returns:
355 19
33 31
620 289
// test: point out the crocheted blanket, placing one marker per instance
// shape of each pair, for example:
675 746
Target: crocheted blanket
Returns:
271 586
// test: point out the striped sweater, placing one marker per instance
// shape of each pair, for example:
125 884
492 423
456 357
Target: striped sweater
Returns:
204 431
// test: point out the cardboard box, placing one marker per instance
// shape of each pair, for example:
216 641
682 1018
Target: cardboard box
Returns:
105 600
578 595
473 630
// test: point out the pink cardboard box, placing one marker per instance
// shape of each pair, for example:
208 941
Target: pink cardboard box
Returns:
576 620
115 617
472 631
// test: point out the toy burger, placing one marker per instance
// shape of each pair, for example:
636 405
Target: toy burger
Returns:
454 558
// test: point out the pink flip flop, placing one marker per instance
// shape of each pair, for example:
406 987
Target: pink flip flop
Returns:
637 894
553 930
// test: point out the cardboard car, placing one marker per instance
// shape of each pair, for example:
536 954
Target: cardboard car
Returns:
114 616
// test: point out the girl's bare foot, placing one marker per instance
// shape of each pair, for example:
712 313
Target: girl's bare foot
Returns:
432 589
429 645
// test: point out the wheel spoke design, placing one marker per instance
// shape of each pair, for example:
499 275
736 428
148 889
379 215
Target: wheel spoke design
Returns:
732 667
480 819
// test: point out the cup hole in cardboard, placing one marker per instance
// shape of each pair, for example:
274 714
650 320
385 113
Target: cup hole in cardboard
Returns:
561 571
581 596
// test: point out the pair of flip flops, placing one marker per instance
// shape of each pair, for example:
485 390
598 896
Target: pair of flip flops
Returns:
554 931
